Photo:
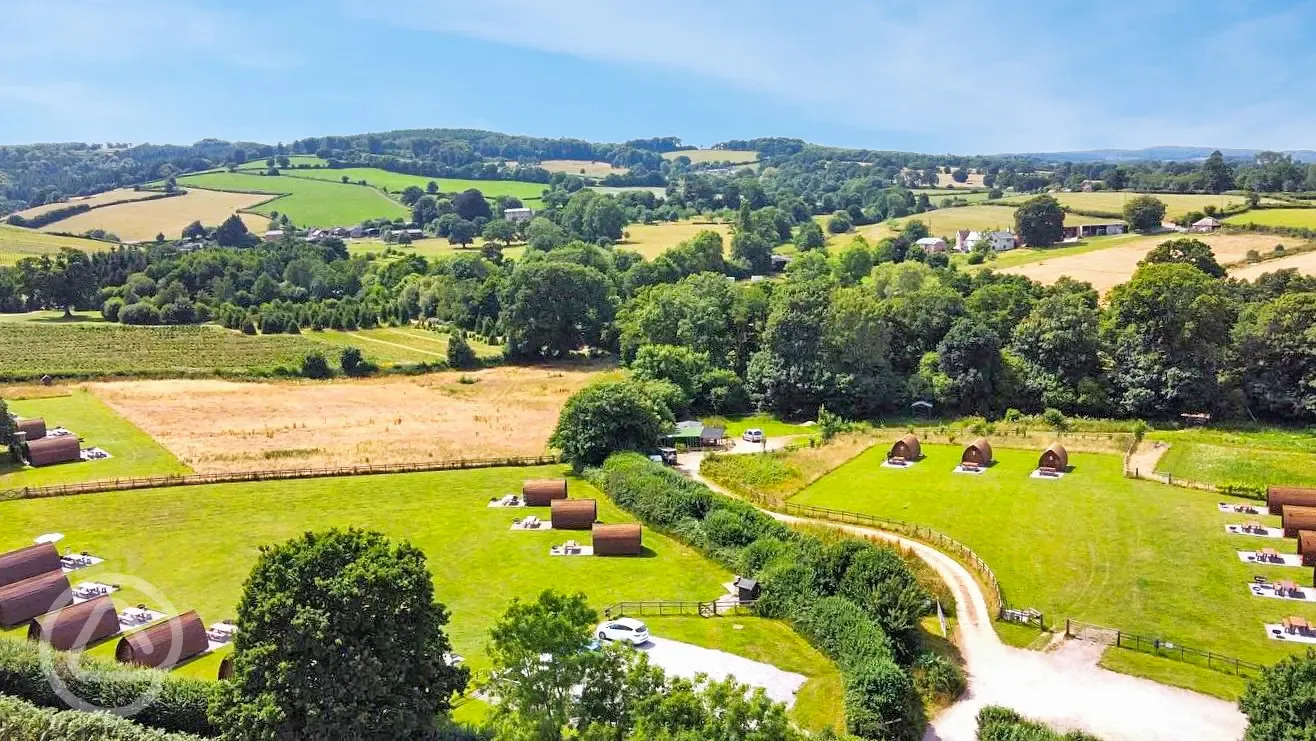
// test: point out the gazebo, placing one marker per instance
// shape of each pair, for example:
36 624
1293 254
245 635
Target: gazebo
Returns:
164 645
78 626
978 453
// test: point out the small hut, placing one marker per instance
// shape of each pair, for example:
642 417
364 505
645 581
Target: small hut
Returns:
617 540
906 448
50 450
1307 547
76 627
540 492
1278 496
24 600
1297 519
226 667
1055 457
164 645
28 562
32 429
978 453
747 589
574 514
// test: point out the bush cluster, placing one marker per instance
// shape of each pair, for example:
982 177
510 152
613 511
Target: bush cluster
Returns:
996 723
48 217
23 721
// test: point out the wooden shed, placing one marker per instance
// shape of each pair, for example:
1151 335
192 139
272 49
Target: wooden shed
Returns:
540 492
1055 456
50 450
33 429
164 645
24 600
1307 547
78 626
574 514
226 667
907 448
1297 519
1278 496
978 453
28 562
617 540
747 589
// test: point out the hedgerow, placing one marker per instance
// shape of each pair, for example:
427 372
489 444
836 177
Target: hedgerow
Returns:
996 723
23 721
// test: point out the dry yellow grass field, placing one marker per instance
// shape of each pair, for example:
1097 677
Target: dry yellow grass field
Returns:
17 243
734 156
144 219
119 195
651 240
216 425
944 222
583 167
1111 201
948 181
1305 263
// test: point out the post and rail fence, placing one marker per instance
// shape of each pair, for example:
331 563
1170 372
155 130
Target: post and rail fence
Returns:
1160 647
709 608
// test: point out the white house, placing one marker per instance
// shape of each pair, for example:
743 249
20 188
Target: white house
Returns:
932 244
999 241
1209 224
517 215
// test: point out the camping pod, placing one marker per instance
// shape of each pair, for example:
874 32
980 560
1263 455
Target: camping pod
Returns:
77 626
32 429
1307 547
907 448
1278 496
164 645
1055 456
28 562
540 492
51 450
617 540
226 668
574 514
24 600
979 453
1297 519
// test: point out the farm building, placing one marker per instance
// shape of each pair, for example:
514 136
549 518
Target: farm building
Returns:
1307 547
906 448
76 627
1208 224
1297 519
28 562
517 215
999 241
1055 456
617 540
932 244
164 645
32 429
541 492
24 600
51 450
574 514
1095 230
978 453
272 235
1278 496
693 433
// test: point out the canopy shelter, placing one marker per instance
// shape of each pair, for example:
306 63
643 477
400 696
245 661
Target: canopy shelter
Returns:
574 514
78 626
1055 456
24 600
907 448
617 540
540 492
28 562
978 453
1278 496
166 644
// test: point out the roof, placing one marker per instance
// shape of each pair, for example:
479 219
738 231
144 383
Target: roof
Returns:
713 433
164 644
28 562
1208 221
930 240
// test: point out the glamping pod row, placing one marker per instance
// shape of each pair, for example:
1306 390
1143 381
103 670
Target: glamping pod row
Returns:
28 562
1296 519
1278 496
32 429
574 514
25 600
51 450
541 492
617 540
76 627
164 645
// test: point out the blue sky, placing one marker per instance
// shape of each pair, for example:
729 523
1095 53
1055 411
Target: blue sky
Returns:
959 76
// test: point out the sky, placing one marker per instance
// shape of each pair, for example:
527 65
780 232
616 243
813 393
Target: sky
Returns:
950 76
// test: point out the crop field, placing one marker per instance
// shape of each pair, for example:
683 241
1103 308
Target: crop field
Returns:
1304 263
118 195
396 182
307 201
651 240
734 156
133 452
948 181
1112 201
294 160
584 168
17 243
142 220
34 349
215 425
1093 546
399 345
1302 218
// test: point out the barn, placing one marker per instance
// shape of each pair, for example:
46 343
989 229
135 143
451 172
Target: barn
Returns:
574 514
617 540
1297 519
32 429
978 453
540 492
24 600
906 448
28 562
76 627
1278 496
50 450
1307 547
1055 457
164 645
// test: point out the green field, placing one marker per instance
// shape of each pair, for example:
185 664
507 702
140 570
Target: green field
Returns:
1272 457
944 222
17 243
396 182
735 156
1301 218
34 349
293 160
430 247
937 194
196 546
1094 546
1026 255
394 345
308 202
134 453
1112 201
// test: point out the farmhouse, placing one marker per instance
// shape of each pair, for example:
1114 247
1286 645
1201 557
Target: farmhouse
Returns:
932 244
1208 224
574 514
51 450
1278 496
76 627
28 562
1095 230
1055 457
518 215
164 645
978 453
24 600
617 540
1296 519
906 448
542 492
999 241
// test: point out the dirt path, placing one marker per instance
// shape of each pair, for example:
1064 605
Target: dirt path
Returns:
1143 459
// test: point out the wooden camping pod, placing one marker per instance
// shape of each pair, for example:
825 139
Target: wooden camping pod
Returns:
32 429
1297 519
1307 547
24 600
540 492
978 452
76 627
1055 456
617 540
1278 496
164 645
50 450
28 562
574 514
906 447
226 667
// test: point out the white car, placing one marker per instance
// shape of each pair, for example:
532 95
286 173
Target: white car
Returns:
624 629
753 435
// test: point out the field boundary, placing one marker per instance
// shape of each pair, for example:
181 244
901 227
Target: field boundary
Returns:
198 479
1159 647
705 609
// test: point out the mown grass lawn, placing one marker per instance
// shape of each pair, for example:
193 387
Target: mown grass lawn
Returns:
397 182
1094 546
1259 457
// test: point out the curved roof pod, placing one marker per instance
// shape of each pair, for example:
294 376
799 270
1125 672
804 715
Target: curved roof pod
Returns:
907 447
78 626
34 428
51 450
978 452
618 540
539 492
24 600
1055 456
574 514
1278 496
28 562
164 645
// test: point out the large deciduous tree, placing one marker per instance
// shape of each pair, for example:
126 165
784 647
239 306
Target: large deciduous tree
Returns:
1218 176
1040 221
1188 251
1280 705
550 308
470 205
232 232
1275 356
608 416
1058 342
1144 213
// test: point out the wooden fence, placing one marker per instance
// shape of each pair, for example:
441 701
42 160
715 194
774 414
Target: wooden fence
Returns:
1160 647
676 607
196 479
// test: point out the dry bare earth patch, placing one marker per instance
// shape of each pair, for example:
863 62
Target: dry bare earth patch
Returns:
144 219
215 425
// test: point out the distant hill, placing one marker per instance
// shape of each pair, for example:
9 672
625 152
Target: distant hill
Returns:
1164 153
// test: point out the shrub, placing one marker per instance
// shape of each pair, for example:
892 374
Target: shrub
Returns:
179 312
996 723
111 308
1055 418
841 629
142 313
1247 491
460 354
353 363
22 721
314 365
937 678
881 702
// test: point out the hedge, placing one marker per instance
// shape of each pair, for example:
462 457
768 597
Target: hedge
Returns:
996 723
48 217
179 705
23 721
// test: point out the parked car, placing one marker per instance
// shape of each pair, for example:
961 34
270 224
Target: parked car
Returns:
624 629
753 435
